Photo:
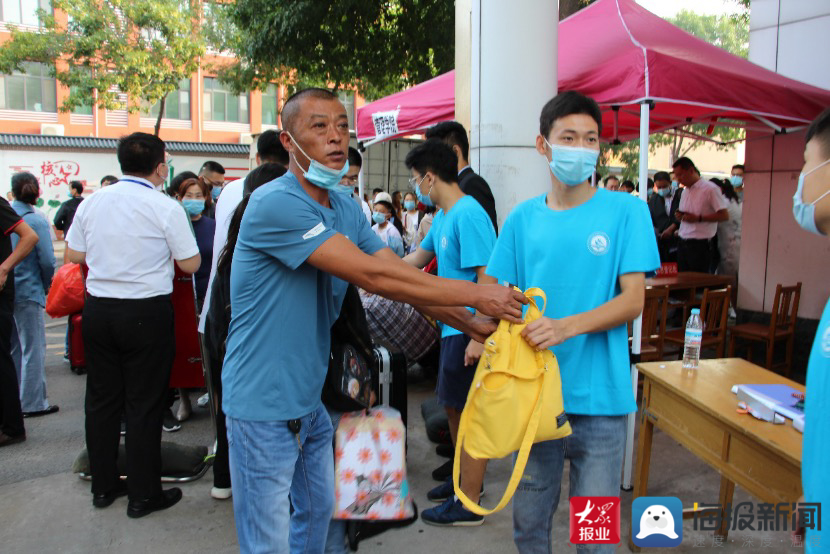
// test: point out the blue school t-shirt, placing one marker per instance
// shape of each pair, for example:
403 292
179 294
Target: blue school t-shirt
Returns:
576 256
462 240
816 444
283 308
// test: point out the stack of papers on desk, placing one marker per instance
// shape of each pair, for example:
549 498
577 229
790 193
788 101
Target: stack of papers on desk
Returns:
765 401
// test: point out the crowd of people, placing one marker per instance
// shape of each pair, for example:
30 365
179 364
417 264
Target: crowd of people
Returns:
272 255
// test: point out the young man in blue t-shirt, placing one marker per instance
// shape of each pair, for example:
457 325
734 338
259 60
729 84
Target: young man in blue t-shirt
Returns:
461 238
811 209
589 250
298 244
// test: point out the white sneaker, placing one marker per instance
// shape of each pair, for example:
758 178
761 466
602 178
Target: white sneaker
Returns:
221 494
203 401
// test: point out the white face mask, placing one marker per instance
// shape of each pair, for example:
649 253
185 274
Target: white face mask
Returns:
805 214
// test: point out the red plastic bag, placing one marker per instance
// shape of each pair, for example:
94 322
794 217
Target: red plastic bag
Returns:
66 296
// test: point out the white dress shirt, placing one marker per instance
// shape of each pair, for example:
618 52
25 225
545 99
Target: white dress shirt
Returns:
702 198
229 199
131 234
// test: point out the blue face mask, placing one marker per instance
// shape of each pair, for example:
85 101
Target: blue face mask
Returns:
737 180
193 206
572 165
378 217
215 192
409 205
347 190
674 186
320 175
805 214
664 192
423 198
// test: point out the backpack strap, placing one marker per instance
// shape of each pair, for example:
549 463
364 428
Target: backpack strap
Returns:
521 459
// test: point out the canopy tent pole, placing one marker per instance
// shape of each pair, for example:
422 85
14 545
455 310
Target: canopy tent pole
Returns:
637 326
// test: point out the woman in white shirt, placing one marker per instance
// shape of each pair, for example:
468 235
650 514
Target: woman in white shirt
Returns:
411 218
387 225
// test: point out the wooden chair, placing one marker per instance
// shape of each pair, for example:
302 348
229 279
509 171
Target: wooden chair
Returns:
714 313
781 327
655 309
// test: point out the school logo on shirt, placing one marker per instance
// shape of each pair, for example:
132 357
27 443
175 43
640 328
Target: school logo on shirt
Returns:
314 231
825 343
598 243
443 243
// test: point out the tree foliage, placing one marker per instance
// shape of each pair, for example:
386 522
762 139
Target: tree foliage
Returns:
106 47
377 47
729 33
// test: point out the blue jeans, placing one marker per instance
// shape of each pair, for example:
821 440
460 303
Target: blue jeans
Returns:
267 465
595 450
28 352
336 538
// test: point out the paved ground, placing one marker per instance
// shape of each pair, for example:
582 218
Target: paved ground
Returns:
46 508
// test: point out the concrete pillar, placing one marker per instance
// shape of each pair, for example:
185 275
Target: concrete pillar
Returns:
463 57
513 74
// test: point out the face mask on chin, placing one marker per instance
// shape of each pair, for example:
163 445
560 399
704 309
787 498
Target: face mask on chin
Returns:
805 214
318 174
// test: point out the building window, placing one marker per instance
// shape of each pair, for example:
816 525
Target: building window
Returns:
32 90
177 105
83 109
219 104
269 105
23 12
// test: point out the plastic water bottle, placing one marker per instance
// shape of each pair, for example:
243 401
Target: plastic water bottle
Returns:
694 336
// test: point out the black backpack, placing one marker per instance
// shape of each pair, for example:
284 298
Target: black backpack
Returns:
351 371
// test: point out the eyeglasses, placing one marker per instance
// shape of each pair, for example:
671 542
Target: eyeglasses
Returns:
415 183
346 179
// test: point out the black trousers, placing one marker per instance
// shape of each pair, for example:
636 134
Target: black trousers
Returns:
130 346
221 463
694 255
11 415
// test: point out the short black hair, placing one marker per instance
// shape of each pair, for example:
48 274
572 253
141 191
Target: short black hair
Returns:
375 191
355 159
213 167
270 149
739 166
265 173
110 179
662 176
140 153
453 133
568 103
819 129
434 155
25 187
292 106
611 177
684 163
628 184
77 186
176 182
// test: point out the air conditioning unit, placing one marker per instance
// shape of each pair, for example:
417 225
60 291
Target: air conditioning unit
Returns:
53 129
246 138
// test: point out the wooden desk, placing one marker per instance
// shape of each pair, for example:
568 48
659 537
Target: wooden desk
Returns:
689 284
697 409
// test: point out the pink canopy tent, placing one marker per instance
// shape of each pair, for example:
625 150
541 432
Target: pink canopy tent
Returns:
633 58
409 111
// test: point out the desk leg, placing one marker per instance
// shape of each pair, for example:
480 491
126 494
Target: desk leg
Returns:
643 456
631 420
727 488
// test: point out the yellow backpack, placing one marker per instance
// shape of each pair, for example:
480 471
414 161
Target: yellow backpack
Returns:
515 400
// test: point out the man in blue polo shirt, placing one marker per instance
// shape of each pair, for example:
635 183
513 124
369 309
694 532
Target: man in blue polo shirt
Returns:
461 238
298 245
811 209
575 243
